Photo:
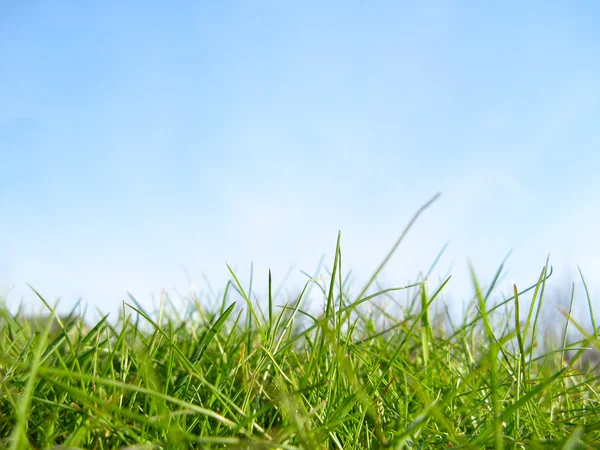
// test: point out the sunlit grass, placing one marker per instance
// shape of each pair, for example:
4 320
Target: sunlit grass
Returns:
371 371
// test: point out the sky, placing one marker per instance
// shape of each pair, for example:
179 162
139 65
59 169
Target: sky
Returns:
146 145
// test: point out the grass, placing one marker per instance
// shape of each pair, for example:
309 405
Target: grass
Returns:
371 371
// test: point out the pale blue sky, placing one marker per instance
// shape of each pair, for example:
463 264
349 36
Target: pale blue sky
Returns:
138 137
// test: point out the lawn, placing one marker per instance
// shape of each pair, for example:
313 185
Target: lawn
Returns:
372 369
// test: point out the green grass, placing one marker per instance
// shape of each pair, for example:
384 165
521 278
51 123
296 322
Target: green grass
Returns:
370 371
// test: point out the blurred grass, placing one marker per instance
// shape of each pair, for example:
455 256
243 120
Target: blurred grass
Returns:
362 374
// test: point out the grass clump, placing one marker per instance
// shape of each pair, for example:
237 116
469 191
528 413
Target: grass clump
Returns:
362 374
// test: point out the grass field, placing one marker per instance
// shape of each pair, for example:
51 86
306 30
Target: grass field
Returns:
372 370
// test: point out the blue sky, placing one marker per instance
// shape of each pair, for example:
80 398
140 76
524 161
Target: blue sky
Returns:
145 144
